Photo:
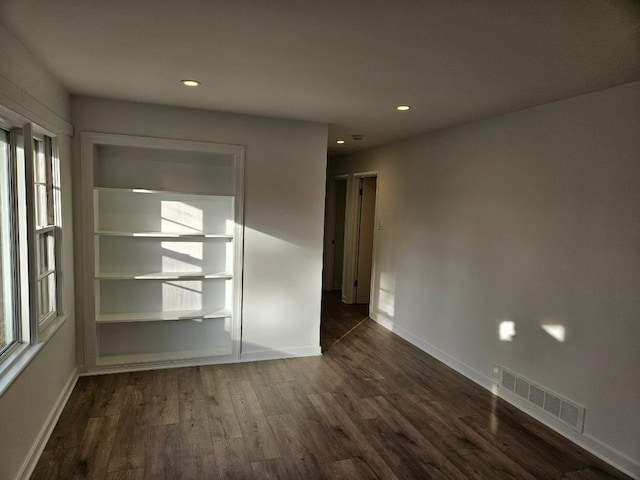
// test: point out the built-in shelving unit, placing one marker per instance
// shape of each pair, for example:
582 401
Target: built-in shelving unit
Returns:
164 251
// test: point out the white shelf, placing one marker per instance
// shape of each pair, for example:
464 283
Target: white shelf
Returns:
134 359
196 235
161 316
163 276
143 191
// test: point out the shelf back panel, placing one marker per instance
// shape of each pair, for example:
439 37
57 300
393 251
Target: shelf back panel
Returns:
163 337
141 296
129 211
162 169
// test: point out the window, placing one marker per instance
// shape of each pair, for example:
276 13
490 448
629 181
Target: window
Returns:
46 190
8 319
30 237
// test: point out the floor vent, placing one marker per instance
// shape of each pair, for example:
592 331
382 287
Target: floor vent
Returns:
568 412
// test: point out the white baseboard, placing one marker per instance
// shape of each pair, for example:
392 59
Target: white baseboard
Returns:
601 450
275 354
47 429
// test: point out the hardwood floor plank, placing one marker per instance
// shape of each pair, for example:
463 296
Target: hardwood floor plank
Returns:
236 372
270 400
318 437
410 447
341 470
137 474
96 445
70 427
272 469
190 385
299 460
443 431
110 395
223 422
588 474
256 434
55 464
572 452
355 406
163 456
196 443
319 375
232 460
348 436
540 458
161 401
338 318
129 445
476 467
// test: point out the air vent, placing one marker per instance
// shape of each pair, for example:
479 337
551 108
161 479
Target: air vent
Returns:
564 410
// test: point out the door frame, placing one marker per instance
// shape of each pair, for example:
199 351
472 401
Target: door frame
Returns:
352 219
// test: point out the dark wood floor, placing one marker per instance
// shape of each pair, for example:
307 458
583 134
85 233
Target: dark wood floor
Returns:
338 318
372 406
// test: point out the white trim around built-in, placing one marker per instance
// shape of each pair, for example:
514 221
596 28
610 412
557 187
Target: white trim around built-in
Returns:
87 330
605 452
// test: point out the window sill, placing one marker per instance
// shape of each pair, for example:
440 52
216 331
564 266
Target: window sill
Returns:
17 360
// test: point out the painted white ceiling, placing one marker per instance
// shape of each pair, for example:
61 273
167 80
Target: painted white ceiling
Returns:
347 63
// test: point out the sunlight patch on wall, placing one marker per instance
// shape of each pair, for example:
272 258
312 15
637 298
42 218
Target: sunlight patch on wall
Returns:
386 294
507 330
182 256
180 217
556 331
182 295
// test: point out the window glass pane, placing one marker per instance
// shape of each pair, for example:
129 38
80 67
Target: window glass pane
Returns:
42 184
47 296
40 167
55 179
7 317
46 252
41 206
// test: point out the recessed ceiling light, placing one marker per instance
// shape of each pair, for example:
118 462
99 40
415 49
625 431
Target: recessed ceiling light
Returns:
190 83
340 142
403 108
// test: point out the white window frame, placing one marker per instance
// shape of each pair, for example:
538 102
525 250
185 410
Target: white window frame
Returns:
41 320
11 252
33 329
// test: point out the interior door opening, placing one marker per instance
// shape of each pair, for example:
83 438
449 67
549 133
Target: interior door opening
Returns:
338 233
365 231
350 219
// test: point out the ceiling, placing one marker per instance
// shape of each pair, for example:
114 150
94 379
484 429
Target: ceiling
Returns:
347 63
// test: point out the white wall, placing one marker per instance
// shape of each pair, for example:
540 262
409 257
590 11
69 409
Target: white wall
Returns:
285 165
28 403
534 217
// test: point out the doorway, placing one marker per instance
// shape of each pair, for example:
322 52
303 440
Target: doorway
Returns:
350 226
365 230
338 233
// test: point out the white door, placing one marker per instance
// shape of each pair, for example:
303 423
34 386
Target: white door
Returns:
365 238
